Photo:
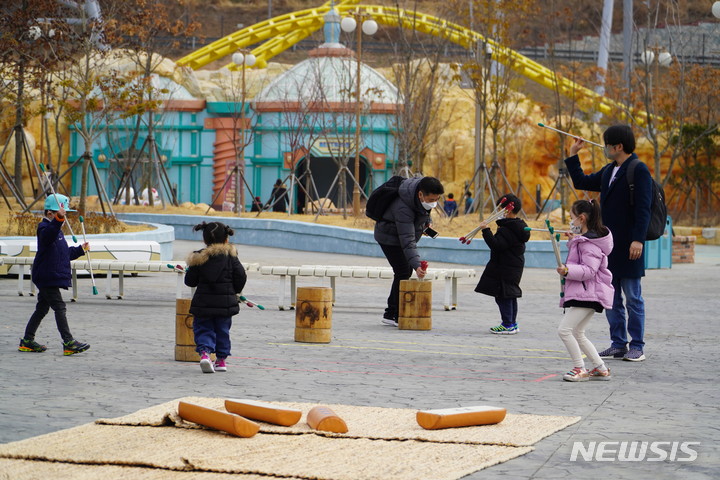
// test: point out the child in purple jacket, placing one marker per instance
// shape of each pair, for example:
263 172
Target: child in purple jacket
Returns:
587 288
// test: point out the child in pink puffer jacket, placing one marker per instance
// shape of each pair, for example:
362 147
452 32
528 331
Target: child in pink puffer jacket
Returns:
587 289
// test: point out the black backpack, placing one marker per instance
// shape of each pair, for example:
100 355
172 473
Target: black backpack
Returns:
381 198
658 209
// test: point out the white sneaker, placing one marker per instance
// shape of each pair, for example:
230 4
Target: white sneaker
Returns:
206 364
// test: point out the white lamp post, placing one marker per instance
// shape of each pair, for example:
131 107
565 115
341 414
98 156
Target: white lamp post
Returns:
242 60
369 27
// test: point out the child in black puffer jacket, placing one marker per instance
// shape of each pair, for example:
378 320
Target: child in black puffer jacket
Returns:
218 276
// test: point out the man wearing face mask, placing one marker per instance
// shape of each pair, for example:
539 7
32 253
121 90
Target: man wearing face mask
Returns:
628 224
399 230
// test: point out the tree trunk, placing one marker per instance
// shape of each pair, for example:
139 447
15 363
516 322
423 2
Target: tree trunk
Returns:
19 113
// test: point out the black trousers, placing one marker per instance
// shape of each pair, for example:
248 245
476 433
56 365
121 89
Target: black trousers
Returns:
401 270
508 310
47 298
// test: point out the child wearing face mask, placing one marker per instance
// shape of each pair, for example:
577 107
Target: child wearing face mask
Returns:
587 288
503 272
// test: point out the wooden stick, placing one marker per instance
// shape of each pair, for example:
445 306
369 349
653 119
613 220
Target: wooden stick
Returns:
227 422
460 417
263 411
87 253
571 135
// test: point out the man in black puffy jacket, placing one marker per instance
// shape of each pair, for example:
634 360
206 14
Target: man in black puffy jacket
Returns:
399 230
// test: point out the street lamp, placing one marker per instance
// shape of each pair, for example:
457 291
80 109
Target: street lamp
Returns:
716 9
369 27
242 59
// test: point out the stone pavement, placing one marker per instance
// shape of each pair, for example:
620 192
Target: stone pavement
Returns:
671 397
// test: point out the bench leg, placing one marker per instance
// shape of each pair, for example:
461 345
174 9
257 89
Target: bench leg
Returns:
21 279
447 294
32 287
332 286
453 305
281 292
121 284
293 291
179 287
108 285
74 286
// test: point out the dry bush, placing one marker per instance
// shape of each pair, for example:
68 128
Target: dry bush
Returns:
23 224
97 223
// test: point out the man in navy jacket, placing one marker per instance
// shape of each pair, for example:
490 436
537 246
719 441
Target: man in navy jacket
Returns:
628 224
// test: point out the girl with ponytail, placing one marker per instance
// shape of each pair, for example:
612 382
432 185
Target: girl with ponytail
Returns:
218 277
587 288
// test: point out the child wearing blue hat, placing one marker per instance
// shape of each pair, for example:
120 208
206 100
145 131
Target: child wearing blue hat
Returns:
51 272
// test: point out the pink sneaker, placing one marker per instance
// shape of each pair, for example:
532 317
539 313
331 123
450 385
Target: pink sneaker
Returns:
205 363
220 365
577 374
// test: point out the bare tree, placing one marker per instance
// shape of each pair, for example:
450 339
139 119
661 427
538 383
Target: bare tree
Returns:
32 41
144 27
421 81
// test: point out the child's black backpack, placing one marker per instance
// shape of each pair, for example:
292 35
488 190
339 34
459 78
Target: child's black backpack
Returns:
381 198
658 209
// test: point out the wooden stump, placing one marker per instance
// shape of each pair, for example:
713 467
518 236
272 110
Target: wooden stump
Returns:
313 314
415 305
184 335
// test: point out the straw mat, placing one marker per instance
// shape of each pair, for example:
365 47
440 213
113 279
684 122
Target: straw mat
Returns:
40 469
180 450
382 443
373 423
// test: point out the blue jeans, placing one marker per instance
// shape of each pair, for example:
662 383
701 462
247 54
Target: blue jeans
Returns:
635 324
212 335
508 310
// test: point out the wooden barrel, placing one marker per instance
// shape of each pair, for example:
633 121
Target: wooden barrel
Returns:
313 314
415 305
184 336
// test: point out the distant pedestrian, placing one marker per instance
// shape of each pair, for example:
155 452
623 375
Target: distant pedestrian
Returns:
50 272
256 205
468 203
502 274
217 276
587 288
278 197
450 205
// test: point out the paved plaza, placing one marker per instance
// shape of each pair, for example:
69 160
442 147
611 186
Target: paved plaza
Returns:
672 397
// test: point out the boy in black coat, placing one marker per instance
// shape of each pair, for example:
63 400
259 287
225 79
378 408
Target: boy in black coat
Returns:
218 277
502 274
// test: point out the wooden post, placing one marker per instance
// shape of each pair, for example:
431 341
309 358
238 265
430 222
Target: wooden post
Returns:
415 305
313 315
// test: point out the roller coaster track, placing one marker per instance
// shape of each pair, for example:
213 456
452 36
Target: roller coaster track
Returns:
284 31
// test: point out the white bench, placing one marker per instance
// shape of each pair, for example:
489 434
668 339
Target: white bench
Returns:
340 271
107 267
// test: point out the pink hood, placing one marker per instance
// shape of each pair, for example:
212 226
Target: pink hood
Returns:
588 277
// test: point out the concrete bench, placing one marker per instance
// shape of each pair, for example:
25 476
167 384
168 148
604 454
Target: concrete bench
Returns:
343 271
108 268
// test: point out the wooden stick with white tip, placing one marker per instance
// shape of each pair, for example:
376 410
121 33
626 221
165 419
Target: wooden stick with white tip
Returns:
87 254
570 135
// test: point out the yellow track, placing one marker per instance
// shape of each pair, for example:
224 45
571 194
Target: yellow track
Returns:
286 30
